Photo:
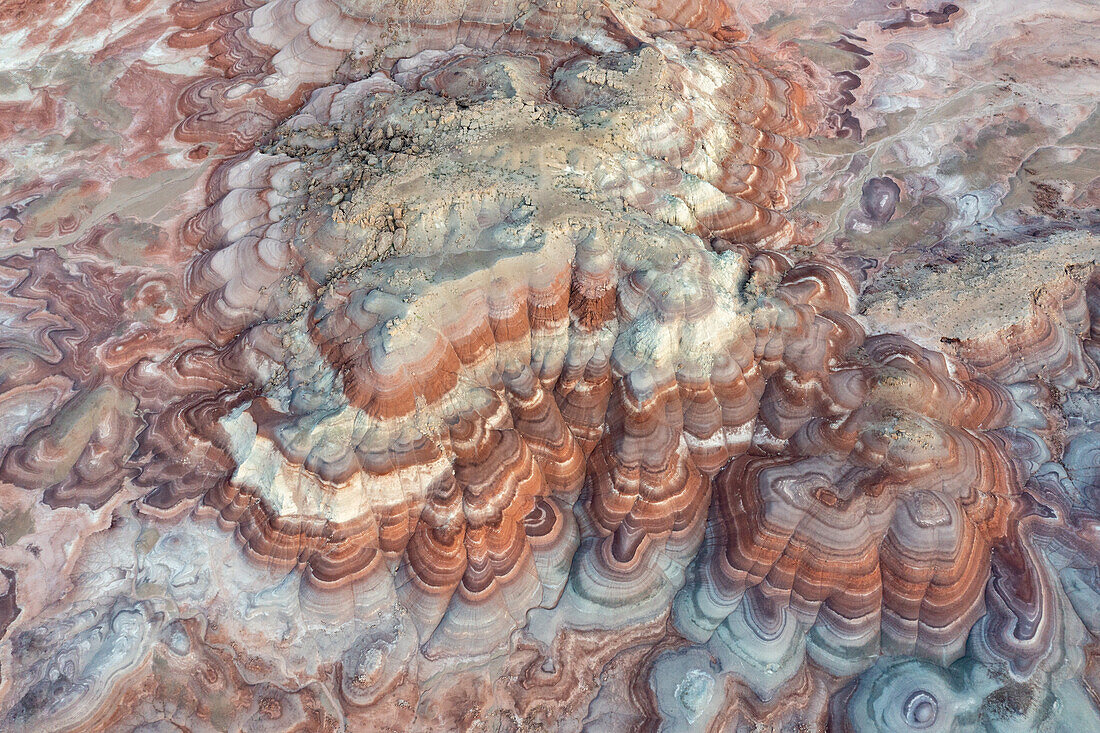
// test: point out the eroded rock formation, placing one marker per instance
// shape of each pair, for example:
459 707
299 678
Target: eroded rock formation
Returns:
540 366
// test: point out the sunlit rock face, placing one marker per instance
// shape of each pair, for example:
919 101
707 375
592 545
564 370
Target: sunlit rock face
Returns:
557 366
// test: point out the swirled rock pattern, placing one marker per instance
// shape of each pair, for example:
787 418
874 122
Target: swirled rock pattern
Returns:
548 366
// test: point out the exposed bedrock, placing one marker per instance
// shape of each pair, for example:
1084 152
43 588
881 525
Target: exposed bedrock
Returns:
563 366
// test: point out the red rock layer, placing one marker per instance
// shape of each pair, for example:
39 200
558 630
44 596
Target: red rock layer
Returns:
451 449
505 305
1054 341
878 513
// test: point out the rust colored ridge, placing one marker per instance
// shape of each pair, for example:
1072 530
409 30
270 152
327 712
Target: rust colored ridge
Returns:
1054 341
874 523
472 272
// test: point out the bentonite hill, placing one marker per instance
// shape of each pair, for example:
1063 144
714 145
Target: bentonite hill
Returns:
482 365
